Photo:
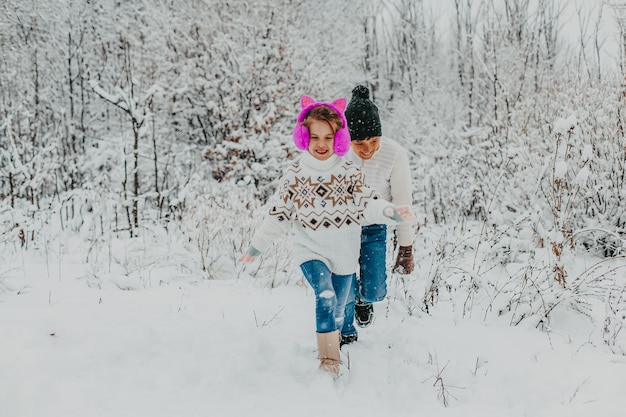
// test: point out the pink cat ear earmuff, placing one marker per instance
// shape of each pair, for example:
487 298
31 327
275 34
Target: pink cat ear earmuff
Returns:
301 136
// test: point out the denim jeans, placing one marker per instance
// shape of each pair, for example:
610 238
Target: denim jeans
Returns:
331 293
372 283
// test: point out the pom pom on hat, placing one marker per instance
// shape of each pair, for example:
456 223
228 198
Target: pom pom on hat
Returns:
362 115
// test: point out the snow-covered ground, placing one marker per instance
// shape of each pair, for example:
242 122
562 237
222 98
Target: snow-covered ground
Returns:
177 346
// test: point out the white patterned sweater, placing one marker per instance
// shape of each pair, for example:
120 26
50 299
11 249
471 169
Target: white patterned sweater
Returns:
325 202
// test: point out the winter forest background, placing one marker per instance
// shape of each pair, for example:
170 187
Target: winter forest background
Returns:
142 135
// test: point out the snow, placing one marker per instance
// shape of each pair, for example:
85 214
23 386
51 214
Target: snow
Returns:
560 170
582 176
167 345
105 327
562 126
587 153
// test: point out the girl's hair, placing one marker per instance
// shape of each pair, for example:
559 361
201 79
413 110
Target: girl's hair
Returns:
324 114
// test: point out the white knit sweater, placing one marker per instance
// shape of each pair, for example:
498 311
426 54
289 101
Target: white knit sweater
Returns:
325 203
388 173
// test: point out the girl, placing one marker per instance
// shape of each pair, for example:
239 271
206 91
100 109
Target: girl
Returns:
323 198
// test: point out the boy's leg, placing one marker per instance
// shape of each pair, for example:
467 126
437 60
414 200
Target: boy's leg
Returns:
373 269
373 283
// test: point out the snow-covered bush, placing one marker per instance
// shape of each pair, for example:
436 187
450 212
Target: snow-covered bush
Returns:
173 122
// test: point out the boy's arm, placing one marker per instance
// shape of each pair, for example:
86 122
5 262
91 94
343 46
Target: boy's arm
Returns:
401 194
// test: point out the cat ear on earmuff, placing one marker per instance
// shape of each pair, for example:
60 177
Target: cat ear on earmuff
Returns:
306 101
340 104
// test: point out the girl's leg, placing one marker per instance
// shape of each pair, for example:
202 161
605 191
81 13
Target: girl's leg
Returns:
331 293
348 331
320 278
343 285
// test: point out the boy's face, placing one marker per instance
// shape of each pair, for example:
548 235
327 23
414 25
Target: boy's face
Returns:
366 148
321 144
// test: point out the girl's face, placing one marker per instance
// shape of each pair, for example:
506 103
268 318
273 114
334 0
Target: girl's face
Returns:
366 148
322 140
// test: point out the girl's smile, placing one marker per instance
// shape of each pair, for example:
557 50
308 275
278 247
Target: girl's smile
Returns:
322 140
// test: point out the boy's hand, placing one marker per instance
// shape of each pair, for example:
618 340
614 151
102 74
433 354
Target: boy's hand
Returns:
404 262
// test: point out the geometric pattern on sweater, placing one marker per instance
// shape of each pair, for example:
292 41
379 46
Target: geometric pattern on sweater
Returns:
304 191
327 220
322 202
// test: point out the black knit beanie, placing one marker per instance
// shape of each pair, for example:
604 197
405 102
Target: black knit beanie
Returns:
362 115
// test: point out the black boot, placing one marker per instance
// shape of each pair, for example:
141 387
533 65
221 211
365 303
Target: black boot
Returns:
363 313
349 338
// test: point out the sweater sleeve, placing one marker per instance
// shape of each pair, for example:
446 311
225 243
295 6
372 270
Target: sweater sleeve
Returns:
371 206
401 194
278 219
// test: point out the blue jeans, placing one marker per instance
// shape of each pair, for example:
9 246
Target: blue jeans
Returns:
331 293
372 283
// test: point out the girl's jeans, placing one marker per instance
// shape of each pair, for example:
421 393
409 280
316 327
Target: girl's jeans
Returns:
372 283
331 293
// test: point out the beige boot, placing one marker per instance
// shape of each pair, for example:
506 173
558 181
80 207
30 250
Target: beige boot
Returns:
328 346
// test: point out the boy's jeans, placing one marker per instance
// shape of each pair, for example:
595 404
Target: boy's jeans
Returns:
331 293
372 283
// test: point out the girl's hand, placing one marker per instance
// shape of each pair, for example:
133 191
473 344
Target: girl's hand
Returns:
247 258
407 215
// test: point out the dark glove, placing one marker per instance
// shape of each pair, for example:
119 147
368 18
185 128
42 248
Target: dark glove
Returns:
404 262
